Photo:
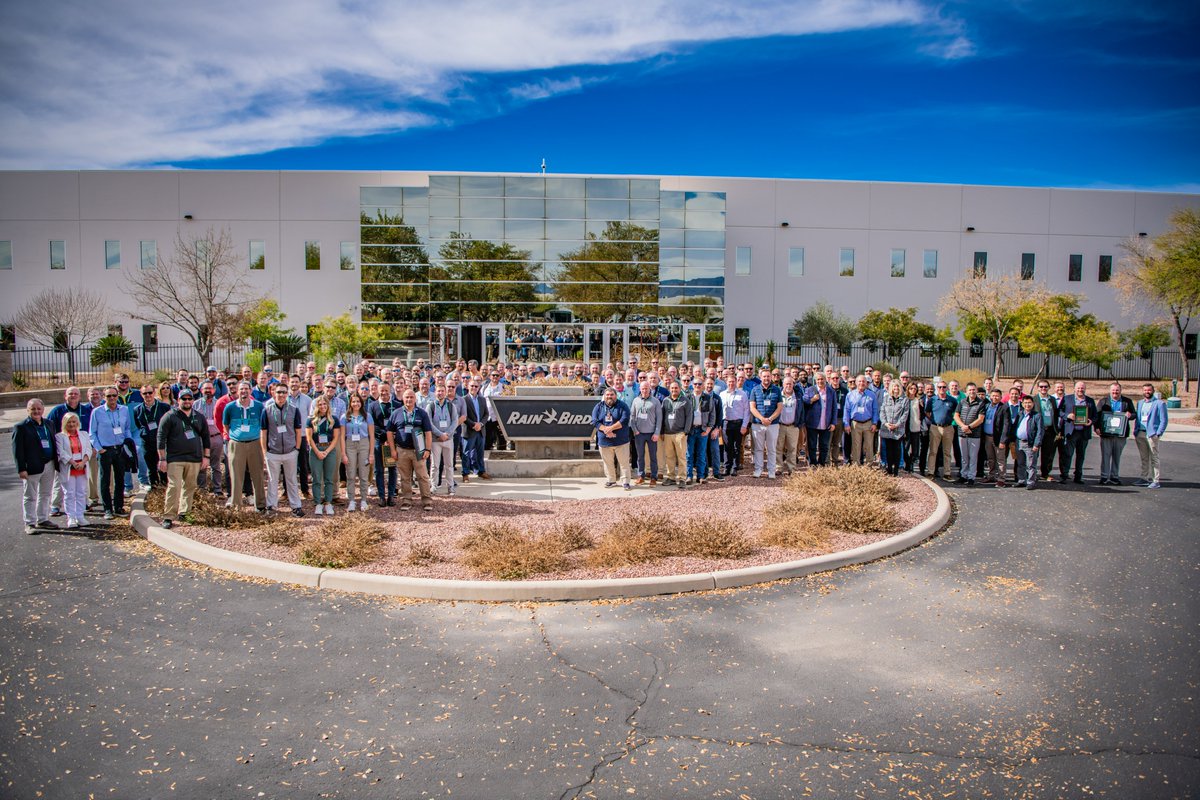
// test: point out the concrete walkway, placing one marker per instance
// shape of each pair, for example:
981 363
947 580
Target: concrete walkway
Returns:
1044 647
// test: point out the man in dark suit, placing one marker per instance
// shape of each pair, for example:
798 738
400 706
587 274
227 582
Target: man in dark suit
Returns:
1046 404
474 406
1076 417
36 457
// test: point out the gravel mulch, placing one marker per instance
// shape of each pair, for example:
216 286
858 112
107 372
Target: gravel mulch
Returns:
743 498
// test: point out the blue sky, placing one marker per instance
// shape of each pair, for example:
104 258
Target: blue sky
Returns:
1049 94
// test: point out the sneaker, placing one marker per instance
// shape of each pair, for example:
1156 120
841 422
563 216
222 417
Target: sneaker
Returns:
55 512
681 486
1115 481
297 512
31 530
628 487
960 480
350 506
770 477
665 482
329 509
1141 482
427 507
1102 482
166 523
73 523
319 511
1079 479
1029 485
609 484
689 481
405 506
108 515
371 491
1155 485
758 474
718 478
229 503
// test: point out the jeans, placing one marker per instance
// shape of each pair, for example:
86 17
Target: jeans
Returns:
473 453
1026 464
148 461
697 453
391 475
714 457
647 450
1073 447
818 446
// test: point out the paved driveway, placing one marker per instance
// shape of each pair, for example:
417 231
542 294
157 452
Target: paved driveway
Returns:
1045 646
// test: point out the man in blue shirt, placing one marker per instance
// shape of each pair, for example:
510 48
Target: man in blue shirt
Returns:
610 418
243 421
861 419
940 409
110 427
1150 423
220 388
766 403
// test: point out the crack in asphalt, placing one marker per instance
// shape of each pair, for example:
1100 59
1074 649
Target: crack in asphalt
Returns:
28 591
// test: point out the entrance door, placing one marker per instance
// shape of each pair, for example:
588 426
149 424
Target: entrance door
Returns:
594 348
693 343
443 343
493 344
470 341
615 348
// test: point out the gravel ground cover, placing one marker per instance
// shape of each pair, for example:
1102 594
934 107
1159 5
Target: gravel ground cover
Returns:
741 499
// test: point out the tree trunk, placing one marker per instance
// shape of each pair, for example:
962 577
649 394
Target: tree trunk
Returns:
70 363
1181 342
999 362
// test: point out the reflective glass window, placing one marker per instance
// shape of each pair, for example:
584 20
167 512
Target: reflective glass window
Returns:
525 208
480 207
416 196
643 209
112 254
148 254
5 254
706 220
381 196
564 229
741 263
564 209
672 237
897 263
846 262
1027 265
930 259
1105 269
980 268
644 188
671 200
312 254
608 209
796 262
564 187
705 239
348 256
524 187
670 257
481 186
708 258
443 206
58 254
671 217
442 228
444 185
611 188
524 229
1075 267
704 201
482 228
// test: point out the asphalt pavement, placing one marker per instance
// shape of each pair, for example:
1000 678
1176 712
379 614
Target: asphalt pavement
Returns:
1044 646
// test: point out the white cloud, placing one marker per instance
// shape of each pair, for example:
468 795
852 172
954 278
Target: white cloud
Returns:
109 83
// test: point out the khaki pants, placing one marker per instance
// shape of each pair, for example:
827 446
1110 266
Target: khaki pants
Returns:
1148 450
616 461
997 455
246 456
802 444
941 437
789 443
862 441
835 445
673 455
181 487
407 464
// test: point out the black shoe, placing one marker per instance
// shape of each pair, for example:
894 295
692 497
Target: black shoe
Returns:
297 512
1079 479
166 523
1102 482
1029 486
1115 481
960 480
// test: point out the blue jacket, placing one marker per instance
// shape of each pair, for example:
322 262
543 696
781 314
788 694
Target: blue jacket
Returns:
1035 430
604 415
56 414
1151 417
812 407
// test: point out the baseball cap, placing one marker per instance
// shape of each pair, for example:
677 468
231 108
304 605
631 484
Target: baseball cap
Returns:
210 368
185 393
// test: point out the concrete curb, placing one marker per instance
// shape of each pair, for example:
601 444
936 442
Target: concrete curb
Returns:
435 589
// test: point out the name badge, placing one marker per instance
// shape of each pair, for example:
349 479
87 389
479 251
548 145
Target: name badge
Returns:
116 430
608 417
244 427
45 444
671 417
189 435
281 428
408 429
355 437
153 426
1145 416
322 439
766 403
643 415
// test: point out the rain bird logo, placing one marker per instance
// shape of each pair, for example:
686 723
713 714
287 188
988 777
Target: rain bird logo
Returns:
550 416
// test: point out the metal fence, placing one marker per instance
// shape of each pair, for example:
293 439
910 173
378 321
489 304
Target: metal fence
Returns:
35 365
1162 364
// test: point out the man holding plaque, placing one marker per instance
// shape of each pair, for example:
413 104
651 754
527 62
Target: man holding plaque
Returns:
1116 414
1077 416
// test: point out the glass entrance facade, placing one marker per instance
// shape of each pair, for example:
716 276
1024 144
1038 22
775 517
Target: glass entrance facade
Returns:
545 257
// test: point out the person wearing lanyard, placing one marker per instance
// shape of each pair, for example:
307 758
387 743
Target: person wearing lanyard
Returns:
132 398
409 434
71 405
645 414
182 454
995 424
1149 426
206 406
110 427
243 421
443 416
74 452
820 415
280 441
704 418
1029 432
1047 405
324 434
791 422
146 419
36 456
303 403
610 418
380 411
359 453
733 406
765 407
940 410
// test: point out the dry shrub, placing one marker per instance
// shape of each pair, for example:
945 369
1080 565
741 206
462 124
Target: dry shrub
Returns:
866 513
209 511
783 528
155 498
342 543
504 553
965 376
624 547
710 538
279 534
856 481
421 554
574 536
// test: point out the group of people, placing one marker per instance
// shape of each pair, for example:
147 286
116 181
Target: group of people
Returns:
389 430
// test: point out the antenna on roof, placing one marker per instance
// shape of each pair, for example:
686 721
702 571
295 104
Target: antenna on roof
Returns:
543 166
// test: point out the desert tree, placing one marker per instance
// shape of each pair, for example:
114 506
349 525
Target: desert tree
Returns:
991 309
66 320
821 325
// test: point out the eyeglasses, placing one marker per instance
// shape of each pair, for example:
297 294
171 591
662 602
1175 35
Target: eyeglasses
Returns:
110 396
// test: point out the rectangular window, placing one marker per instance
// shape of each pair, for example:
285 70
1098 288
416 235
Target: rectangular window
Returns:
58 254
1075 267
1027 260
741 339
8 337
897 263
149 254
980 269
796 262
741 263
846 262
1189 345
5 254
349 255
1105 268
150 338
112 254
312 255
930 259
258 254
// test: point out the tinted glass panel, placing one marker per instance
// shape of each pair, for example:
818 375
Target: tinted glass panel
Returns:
643 209
528 208
644 188
706 239
608 209
1027 266
443 206
112 254
706 220
348 257
380 196
846 261
491 208
524 229
478 186
704 201
980 264
443 185
58 254
564 229
930 259
897 263
564 187
312 254
5 254
1105 268
607 188
708 258
796 262
741 263
524 187
564 209
1075 267
148 255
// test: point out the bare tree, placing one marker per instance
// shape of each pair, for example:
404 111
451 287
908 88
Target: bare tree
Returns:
65 319
197 291
991 309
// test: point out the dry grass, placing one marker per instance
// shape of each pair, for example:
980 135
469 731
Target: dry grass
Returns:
279 534
856 481
421 554
794 532
635 540
965 376
710 538
574 536
505 553
342 544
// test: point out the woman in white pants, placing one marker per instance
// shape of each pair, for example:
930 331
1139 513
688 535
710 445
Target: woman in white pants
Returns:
358 453
74 457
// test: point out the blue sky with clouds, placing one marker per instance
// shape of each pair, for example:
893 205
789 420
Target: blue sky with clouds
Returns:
1096 94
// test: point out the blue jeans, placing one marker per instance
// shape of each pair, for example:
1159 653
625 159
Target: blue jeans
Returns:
391 475
646 459
818 446
714 457
697 453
